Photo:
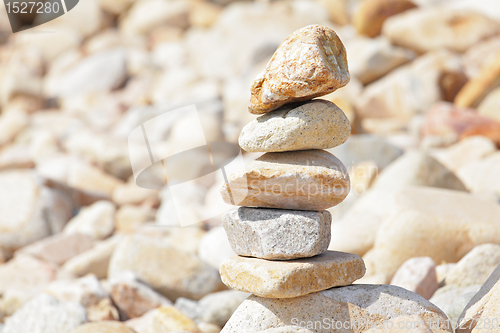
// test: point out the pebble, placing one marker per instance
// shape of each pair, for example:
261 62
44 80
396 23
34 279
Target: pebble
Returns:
168 318
475 267
417 275
21 279
358 304
393 96
133 297
372 58
288 279
303 180
446 296
474 91
175 274
29 212
94 261
58 248
294 127
465 151
369 16
88 292
103 326
96 220
214 247
482 175
448 124
442 224
44 314
455 29
288 77
102 71
367 147
215 308
483 306
357 230
277 234
490 105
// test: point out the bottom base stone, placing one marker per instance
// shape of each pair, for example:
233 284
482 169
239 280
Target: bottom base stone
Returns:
293 278
356 308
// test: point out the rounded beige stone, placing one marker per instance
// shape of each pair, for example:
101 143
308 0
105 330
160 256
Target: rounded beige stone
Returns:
311 62
302 180
317 124
293 278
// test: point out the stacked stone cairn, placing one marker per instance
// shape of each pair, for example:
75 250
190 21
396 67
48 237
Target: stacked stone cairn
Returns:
282 231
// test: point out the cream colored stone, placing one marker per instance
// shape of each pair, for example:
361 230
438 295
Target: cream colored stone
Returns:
481 54
475 267
475 91
490 106
483 308
465 151
358 307
294 278
59 248
94 261
168 319
277 234
417 275
96 221
129 218
452 28
317 124
482 175
167 269
289 77
410 89
441 224
370 15
303 180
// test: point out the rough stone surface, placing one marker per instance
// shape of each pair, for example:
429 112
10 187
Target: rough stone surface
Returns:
133 297
286 279
475 267
303 180
97 220
44 314
318 124
404 324
370 15
453 28
288 76
484 305
357 303
417 275
442 224
176 273
276 233
104 327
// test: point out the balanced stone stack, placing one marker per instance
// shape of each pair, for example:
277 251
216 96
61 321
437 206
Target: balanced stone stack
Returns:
283 231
